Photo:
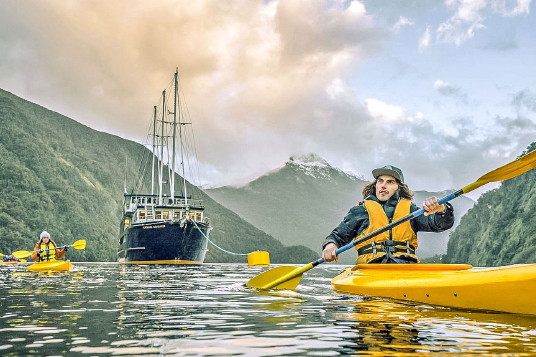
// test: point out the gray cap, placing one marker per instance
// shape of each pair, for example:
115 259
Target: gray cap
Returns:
389 170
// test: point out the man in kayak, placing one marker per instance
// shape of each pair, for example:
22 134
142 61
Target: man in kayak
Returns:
387 199
46 250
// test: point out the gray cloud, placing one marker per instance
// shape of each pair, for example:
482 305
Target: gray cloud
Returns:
524 100
448 90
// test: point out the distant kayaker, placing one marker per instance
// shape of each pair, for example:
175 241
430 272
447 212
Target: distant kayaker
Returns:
46 250
11 258
387 199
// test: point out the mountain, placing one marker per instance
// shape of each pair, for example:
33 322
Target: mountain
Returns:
302 201
61 176
500 229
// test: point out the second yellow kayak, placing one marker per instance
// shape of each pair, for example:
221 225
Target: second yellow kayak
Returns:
509 288
55 265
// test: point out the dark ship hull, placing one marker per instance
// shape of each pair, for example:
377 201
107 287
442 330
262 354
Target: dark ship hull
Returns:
164 243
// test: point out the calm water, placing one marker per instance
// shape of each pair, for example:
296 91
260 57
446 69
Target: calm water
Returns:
112 309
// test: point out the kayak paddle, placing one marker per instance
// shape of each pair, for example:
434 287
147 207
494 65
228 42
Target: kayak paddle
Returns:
288 277
79 244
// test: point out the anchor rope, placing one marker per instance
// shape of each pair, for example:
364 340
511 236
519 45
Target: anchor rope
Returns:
214 244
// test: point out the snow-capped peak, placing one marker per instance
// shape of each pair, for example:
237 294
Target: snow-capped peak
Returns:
312 165
308 160
315 166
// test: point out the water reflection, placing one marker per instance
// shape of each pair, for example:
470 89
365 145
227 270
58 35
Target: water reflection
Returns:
112 309
385 328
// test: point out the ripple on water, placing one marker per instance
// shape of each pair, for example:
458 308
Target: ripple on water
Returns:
207 310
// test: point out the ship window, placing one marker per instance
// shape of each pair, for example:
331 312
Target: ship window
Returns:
165 215
158 214
142 214
127 222
198 216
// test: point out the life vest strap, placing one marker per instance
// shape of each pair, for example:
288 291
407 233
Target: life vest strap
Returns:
388 246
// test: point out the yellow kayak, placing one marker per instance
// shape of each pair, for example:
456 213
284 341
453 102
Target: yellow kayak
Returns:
55 265
509 288
10 263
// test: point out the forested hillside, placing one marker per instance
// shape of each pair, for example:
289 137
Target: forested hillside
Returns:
500 229
61 176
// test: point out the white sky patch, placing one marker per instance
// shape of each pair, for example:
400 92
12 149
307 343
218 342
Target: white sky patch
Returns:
356 8
522 7
335 89
446 89
418 116
402 22
424 40
470 15
385 112
439 84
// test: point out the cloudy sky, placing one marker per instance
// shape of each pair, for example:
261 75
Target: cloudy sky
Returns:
445 90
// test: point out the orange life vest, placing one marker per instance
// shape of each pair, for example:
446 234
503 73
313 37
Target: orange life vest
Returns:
47 255
402 237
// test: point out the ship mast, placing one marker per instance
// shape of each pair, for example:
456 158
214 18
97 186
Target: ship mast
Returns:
172 178
161 176
154 148
180 134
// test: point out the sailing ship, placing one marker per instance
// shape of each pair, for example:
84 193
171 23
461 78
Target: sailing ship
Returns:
164 226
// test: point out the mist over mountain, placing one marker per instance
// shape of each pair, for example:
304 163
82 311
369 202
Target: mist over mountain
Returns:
61 176
302 201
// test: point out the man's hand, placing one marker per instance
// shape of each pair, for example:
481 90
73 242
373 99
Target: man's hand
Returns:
430 205
328 254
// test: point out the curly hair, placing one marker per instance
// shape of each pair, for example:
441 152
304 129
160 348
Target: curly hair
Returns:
403 190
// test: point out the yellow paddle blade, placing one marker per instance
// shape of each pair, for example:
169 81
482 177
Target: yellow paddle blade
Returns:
262 280
79 244
515 168
22 254
285 277
2 255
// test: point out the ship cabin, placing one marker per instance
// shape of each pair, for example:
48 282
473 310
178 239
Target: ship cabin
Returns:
146 209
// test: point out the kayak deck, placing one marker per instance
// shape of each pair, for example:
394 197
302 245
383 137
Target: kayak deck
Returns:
508 288
55 265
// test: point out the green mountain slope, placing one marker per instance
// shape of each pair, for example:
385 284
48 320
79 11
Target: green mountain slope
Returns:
61 176
500 229
304 200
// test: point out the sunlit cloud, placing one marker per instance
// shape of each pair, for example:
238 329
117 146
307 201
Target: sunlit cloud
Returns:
384 111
